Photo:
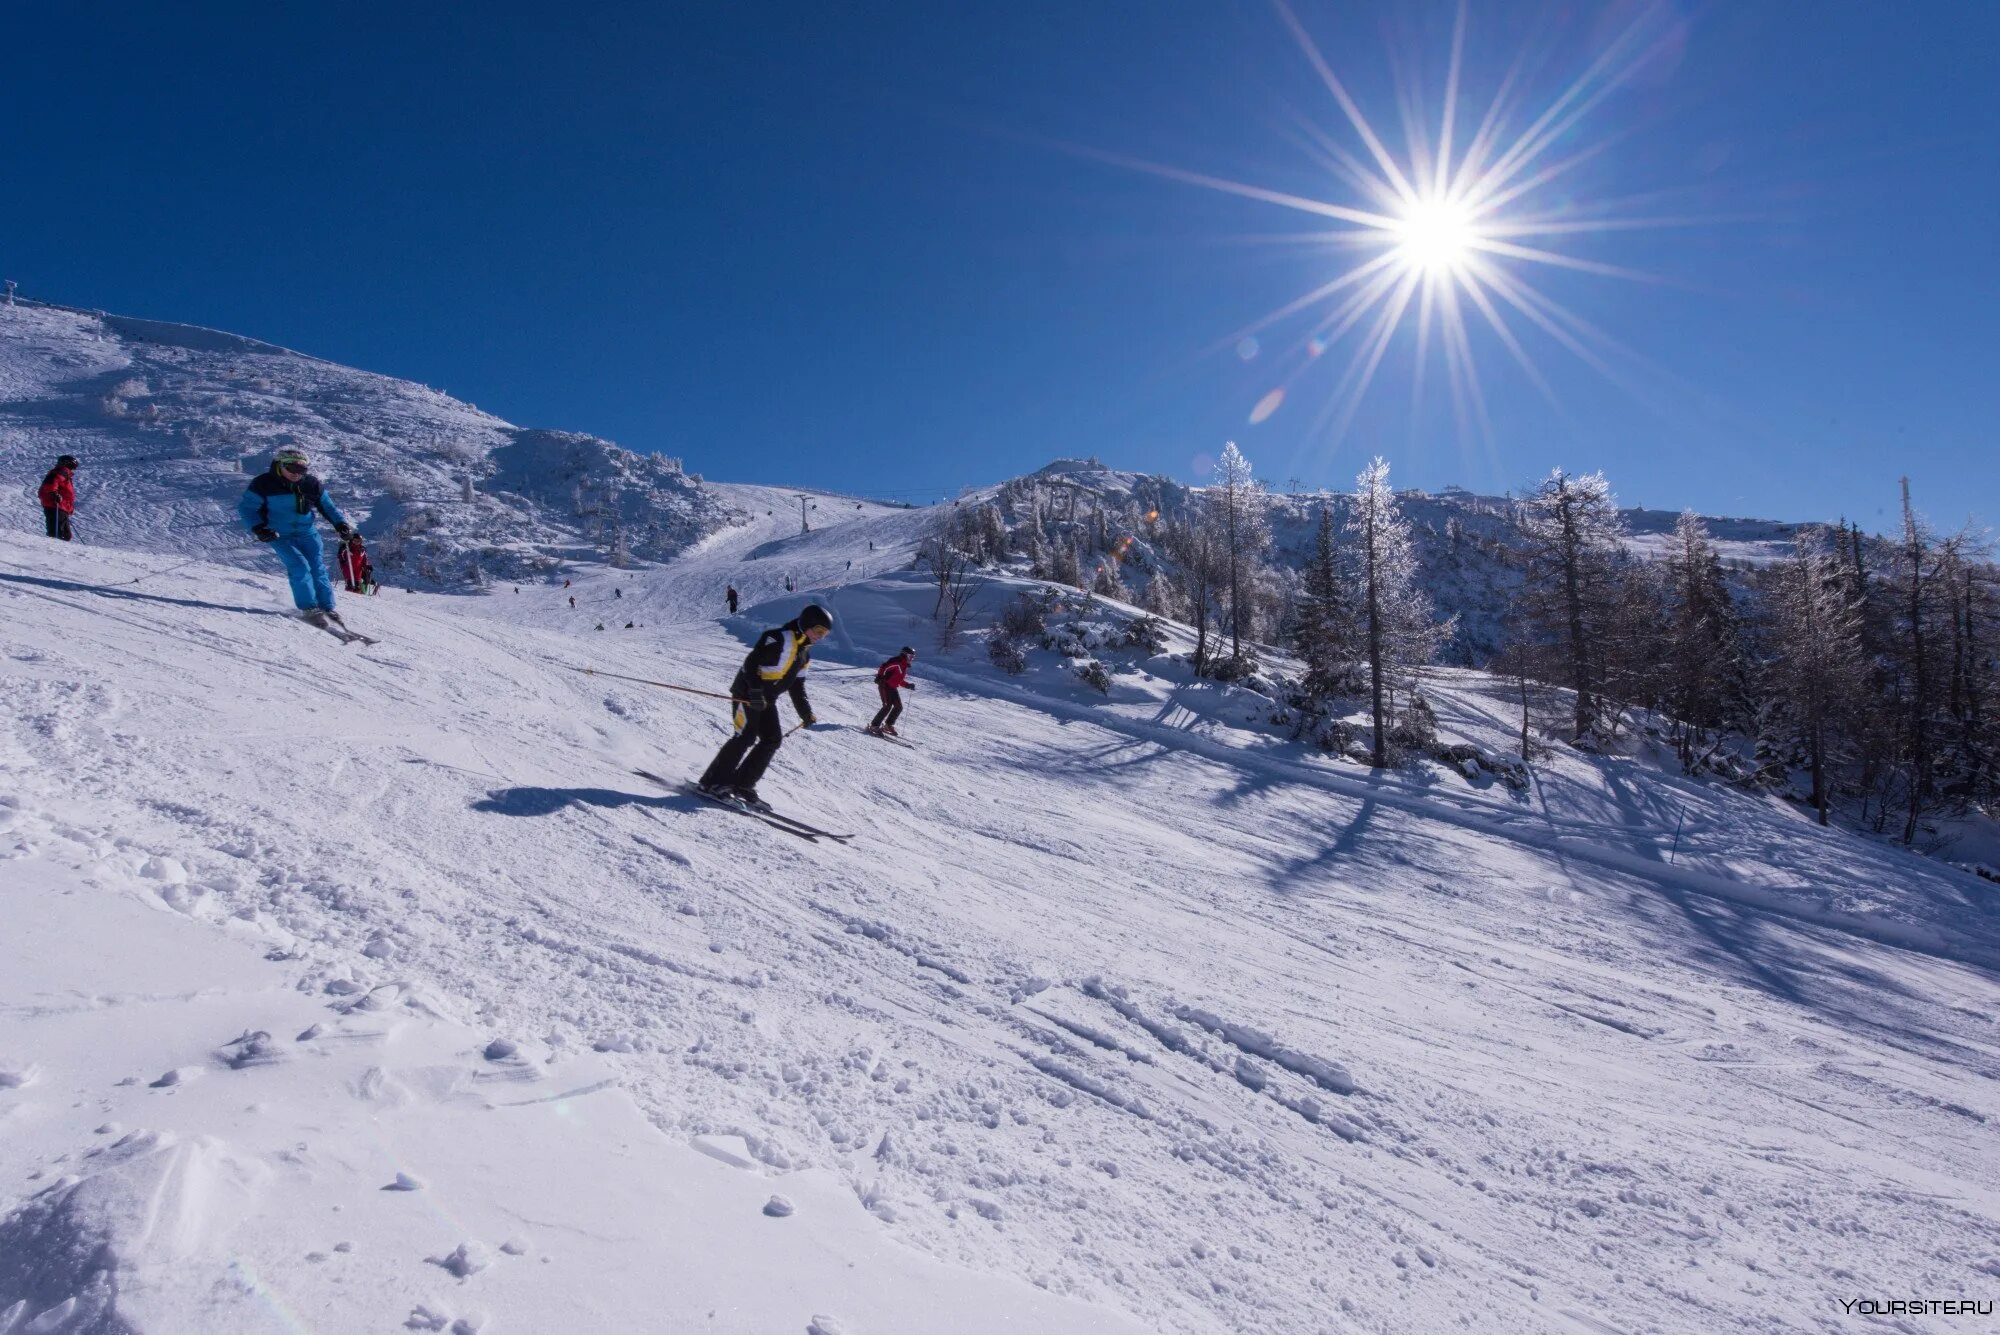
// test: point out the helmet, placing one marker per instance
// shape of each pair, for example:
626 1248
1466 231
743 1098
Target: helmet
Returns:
908 652
289 455
815 617
67 461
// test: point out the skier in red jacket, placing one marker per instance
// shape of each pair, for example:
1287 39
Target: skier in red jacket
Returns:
58 497
890 680
355 567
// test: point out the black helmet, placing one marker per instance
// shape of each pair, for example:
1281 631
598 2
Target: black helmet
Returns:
67 461
815 617
908 652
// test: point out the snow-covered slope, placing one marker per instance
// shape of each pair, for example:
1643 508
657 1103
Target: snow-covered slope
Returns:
1115 1014
168 418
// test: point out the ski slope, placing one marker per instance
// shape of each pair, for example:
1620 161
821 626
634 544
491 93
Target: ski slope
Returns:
1116 1014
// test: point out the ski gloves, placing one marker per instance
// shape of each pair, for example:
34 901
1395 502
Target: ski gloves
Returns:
757 703
265 533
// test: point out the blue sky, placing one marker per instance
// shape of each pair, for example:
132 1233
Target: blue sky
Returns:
849 246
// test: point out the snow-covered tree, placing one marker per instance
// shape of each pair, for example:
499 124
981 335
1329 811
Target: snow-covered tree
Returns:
1572 531
1399 629
1972 743
1699 665
1820 673
1238 520
1200 576
1323 632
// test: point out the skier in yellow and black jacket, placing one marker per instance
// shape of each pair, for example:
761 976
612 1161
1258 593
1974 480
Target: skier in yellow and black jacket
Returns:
772 668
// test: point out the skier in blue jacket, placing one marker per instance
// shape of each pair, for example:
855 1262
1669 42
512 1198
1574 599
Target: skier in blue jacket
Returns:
278 508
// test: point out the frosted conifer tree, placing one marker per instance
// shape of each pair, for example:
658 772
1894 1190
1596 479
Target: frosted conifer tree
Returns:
1821 673
1572 529
1324 637
1700 663
1200 572
1399 629
1240 530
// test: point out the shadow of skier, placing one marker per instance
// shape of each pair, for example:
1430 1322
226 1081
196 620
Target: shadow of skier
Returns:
550 801
134 595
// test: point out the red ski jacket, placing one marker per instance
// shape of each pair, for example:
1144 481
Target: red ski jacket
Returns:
894 674
59 491
355 567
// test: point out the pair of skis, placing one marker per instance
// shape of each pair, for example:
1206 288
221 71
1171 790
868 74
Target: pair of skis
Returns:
339 631
775 819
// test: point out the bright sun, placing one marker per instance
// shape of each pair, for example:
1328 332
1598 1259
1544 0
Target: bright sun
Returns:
1436 236
1445 235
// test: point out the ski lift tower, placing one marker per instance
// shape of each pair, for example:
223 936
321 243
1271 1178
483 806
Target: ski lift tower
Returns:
805 525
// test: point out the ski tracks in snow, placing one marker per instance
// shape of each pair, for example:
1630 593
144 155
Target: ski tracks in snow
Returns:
1186 1033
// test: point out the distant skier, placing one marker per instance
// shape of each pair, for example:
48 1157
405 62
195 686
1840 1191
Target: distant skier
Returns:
617 592
771 669
356 570
278 508
732 600
58 497
891 679
572 601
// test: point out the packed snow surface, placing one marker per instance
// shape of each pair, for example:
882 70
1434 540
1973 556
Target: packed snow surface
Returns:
361 988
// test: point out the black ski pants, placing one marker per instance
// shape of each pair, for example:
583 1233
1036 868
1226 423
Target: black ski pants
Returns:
745 756
892 707
57 521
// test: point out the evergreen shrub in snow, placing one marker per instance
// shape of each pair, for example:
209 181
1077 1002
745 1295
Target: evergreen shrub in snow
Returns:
1147 634
1024 617
1006 653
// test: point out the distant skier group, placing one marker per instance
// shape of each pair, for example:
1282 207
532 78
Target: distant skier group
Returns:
281 507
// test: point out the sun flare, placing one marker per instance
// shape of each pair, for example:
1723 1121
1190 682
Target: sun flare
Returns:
1438 235
1444 237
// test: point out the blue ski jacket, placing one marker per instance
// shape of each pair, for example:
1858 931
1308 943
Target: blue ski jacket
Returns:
286 505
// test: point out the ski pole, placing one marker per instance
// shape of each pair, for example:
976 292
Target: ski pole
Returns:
663 685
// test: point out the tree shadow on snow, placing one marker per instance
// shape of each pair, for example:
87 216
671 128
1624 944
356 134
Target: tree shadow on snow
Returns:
550 801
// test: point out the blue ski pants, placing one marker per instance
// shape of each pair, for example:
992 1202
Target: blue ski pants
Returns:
305 565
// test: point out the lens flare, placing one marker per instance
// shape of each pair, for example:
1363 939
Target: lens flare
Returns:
1267 405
